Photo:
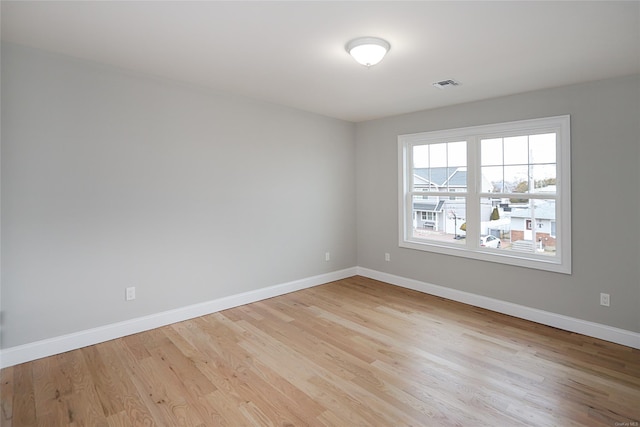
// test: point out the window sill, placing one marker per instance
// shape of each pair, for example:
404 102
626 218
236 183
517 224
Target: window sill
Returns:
501 256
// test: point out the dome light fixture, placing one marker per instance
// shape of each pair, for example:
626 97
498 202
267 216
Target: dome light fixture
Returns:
368 51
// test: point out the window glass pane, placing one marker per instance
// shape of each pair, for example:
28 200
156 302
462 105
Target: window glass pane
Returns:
543 148
527 226
526 159
440 177
516 179
544 177
516 150
440 167
437 155
491 151
457 179
533 227
421 156
441 220
421 179
492 179
457 154
495 224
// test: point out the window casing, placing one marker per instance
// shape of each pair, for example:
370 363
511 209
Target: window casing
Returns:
509 180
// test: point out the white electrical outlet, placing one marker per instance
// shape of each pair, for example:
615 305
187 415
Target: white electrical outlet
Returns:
327 256
604 300
130 293
387 256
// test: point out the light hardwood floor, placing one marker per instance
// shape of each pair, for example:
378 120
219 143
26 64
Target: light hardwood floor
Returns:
348 353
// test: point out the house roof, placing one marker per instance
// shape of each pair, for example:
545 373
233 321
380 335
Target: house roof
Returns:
454 177
458 178
428 206
543 210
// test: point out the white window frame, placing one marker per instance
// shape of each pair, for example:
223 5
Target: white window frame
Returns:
560 125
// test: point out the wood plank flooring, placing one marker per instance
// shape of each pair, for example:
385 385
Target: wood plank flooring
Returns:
355 352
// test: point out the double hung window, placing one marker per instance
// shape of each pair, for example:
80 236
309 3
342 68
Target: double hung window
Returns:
497 192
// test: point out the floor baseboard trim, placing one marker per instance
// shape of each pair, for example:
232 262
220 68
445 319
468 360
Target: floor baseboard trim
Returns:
48 347
592 329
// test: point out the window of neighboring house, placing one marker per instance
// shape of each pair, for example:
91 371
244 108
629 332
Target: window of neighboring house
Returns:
508 180
428 216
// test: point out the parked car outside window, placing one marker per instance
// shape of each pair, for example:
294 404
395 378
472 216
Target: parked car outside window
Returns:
489 241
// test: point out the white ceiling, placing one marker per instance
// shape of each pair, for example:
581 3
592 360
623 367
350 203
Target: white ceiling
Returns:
292 53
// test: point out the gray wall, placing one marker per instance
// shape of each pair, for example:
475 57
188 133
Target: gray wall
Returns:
605 126
111 179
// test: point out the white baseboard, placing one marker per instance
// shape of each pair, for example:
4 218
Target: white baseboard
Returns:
36 350
48 347
592 329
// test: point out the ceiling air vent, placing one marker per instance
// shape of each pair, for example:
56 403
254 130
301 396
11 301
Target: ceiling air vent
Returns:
445 84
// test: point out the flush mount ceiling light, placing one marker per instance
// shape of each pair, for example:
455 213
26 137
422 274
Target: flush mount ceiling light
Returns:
368 51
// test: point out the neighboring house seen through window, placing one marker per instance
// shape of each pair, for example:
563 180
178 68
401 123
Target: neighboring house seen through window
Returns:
510 181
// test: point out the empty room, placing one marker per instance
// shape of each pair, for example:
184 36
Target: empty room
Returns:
320 213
